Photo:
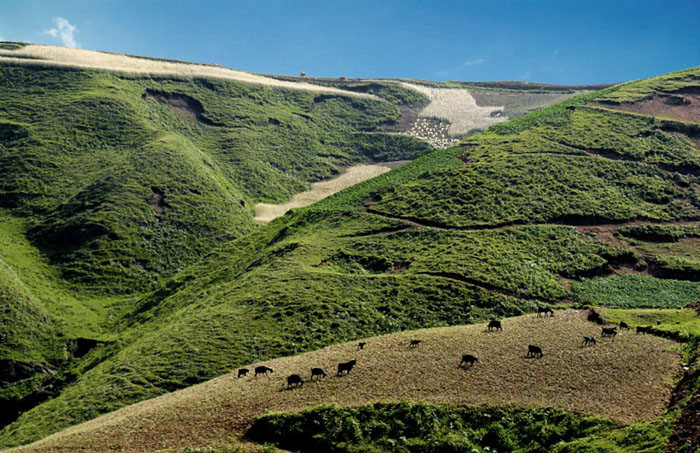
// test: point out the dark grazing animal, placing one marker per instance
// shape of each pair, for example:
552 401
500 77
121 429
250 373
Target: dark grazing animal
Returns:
641 329
468 359
346 367
588 340
609 332
361 345
544 310
294 380
242 372
493 324
262 369
318 372
414 343
534 351
594 316
624 326
658 322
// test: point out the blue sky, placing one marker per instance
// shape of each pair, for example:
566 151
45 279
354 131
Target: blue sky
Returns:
545 41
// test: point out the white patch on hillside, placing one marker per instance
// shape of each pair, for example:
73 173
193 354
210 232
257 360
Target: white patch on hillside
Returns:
41 55
458 107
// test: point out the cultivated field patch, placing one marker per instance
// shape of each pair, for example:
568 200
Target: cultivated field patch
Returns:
265 212
627 379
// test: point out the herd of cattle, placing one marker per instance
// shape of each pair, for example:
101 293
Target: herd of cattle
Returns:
533 351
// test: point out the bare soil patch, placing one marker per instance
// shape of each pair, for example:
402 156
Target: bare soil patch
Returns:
265 212
682 105
627 378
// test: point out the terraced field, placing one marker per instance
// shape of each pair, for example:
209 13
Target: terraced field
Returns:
627 379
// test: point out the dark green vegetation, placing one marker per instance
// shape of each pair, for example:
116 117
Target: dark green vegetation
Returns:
636 291
129 205
421 427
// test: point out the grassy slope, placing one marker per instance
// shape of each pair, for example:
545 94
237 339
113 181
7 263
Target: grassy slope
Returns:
568 377
107 189
129 181
365 273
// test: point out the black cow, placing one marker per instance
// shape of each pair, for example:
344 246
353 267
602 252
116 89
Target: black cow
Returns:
609 332
346 367
242 372
294 380
493 324
641 329
534 351
263 370
318 372
414 343
544 310
624 326
468 359
361 345
588 340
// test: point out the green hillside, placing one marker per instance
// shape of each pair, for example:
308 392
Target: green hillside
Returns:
129 207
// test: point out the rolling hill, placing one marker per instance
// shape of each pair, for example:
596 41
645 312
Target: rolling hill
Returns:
625 380
130 253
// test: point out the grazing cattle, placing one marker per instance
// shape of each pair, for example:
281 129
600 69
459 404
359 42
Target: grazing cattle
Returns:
263 370
544 310
318 372
534 351
361 345
588 340
658 322
346 367
495 325
594 316
294 380
242 372
468 359
609 332
414 343
641 329
624 326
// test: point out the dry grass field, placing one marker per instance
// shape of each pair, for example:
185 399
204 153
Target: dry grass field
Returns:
265 213
627 379
34 54
457 106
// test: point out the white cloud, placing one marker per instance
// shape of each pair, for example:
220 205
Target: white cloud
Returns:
64 31
474 62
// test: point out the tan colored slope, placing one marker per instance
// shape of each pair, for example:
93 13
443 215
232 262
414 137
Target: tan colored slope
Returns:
627 379
35 54
266 212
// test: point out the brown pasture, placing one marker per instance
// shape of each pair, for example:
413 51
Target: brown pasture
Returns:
627 378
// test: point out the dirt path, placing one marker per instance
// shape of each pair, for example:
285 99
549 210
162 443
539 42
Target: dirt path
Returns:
265 213
627 379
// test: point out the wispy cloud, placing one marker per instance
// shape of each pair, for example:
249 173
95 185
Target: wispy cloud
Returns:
466 64
64 31
474 62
